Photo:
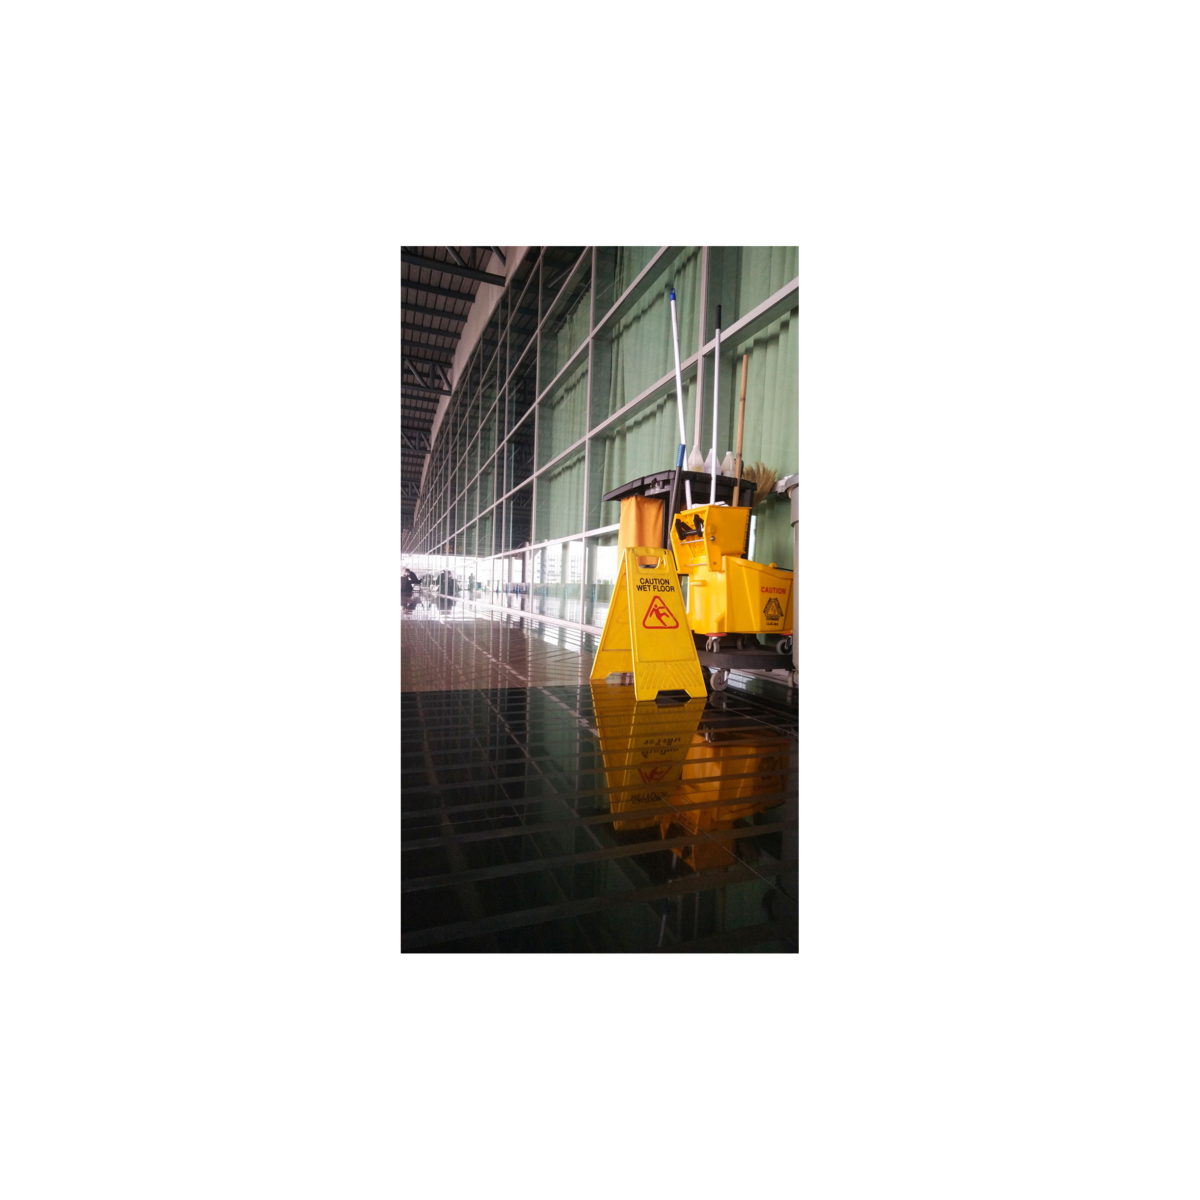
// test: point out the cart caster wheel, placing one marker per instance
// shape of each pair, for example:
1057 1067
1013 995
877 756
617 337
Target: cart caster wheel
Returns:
720 680
712 645
785 645
793 679
743 641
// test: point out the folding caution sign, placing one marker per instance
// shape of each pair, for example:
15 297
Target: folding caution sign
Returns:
646 630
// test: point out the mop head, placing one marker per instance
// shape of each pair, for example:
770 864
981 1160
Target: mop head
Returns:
762 477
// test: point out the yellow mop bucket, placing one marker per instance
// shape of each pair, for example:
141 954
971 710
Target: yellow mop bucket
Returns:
726 592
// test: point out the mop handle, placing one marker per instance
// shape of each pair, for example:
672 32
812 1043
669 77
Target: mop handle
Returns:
712 495
737 470
678 379
681 456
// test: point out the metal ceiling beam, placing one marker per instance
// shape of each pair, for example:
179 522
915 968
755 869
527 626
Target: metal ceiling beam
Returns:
499 254
431 383
433 362
410 491
418 387
432 391
446 333
432 349
406 362
454 254
417 374
433 312
416 441
437 291
449 268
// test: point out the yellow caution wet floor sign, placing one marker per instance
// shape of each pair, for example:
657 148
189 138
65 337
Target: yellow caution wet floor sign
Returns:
646 630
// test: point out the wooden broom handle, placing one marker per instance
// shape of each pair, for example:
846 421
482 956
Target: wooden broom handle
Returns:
737 470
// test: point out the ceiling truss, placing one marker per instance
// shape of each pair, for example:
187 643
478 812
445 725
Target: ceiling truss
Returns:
427 353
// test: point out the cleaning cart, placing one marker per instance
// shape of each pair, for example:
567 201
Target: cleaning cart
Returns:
739 612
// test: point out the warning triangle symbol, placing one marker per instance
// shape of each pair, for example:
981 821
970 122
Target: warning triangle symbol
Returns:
659 616
773 609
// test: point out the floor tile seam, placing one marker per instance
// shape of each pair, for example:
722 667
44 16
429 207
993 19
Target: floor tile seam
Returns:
663 805
559 862
743 937
602 753
544 774
414 825
505 666
598 796
521 746
596 790
591 803
785 826
461 764
573 787
451 723
663 808
589 745
505 921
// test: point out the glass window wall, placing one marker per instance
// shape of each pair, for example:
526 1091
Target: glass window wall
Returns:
741 277
560 499
518 455
523 321
518 519
487 482
522 389
565 330
562 415
639 444
634 349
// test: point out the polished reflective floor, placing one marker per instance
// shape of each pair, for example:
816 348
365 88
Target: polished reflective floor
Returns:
541 812
447 645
